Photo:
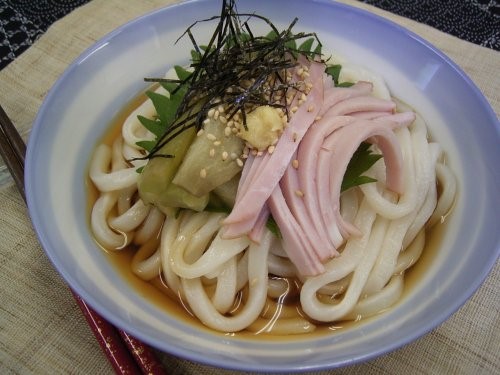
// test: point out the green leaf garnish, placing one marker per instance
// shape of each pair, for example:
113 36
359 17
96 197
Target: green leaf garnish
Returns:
146 145
162 106
154 126
306 46
273 227
361 161
345 84
334 72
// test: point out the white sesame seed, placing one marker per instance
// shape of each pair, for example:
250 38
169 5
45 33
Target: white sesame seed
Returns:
299 193
211 112
211 137
224 155
227 131
200 132
271 149
206 121
310 108
295 163
217 143
233 155
294 109
212 152
203 173
220 108
239 162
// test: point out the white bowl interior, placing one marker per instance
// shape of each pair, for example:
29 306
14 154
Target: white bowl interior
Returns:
81 105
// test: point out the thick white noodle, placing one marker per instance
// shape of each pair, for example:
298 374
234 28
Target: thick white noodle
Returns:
281 266
125 197
448 185
132 218
323 312
150 227
276 288
219 251
168 235
103 233
203 308
111 181
349 204
407 202
148 268
378 302
393 243
225 291
429 204
133 156
340 267
411 254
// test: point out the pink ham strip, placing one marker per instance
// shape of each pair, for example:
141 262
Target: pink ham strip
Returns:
341 145
334 95
369 115
308 175
297 245
397 120
258 229
247 208
290 185
361 104
268 188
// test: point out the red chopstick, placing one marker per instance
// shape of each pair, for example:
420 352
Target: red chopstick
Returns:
126 354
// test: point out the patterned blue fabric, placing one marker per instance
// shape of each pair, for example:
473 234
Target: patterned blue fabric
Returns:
23 21
477 21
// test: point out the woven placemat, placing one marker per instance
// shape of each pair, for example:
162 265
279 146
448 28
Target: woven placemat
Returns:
41 328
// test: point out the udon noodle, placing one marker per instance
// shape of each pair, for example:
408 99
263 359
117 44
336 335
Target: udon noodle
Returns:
234 283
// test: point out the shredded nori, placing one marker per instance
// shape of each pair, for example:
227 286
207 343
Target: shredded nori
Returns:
235 56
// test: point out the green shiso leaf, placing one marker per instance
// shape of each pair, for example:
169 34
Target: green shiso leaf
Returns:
345 84
162 106
146 145
361 161
334 72
273 227
154 126
306 46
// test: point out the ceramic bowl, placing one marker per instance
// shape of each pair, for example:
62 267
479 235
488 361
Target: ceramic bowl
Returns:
80 106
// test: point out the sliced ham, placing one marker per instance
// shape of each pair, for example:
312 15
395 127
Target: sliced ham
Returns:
336 153
250 203
299 184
